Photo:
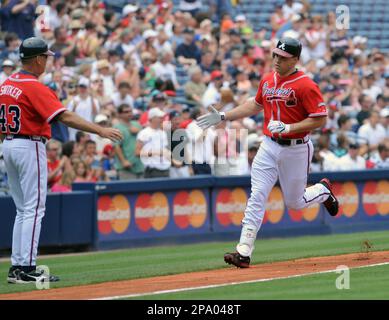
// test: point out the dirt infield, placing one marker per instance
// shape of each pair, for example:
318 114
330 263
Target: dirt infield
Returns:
206 278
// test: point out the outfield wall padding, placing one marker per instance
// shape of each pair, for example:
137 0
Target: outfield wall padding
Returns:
118 214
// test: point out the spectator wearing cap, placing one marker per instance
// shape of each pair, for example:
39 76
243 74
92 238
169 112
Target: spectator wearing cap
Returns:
158 100
8 67
11 50
352 160
103 120
187 53
152 146
66 48
165 69
195 88
127 163
178 140
123 96
18 16
372 132
128 14
149 44
212 94
83 104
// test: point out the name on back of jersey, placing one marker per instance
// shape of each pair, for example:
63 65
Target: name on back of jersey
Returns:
10 91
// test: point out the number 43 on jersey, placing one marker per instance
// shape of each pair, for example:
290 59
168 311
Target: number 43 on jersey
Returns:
11 113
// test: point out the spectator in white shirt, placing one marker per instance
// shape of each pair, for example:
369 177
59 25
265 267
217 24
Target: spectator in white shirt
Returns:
84 105
352 160
212 94
123 95
152 146
291 8
164 69
372 132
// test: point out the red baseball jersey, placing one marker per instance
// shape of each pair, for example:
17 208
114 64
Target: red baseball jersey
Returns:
27 106
289 99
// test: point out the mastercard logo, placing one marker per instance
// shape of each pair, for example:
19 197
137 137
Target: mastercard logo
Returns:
230 206
151 211
189 209
274 209
375 198
348 197
113 214
308 214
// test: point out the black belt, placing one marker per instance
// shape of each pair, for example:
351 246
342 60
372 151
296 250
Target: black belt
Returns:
20 136
288 142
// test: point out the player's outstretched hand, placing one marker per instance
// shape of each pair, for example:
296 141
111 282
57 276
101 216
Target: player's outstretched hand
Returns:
278 127
212 118
111 133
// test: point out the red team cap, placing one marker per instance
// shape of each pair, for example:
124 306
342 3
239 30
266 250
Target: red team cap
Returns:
288 48
216 74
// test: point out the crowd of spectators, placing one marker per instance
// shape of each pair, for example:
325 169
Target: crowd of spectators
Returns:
151 70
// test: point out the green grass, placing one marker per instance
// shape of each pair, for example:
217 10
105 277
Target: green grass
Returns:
365 283
147 262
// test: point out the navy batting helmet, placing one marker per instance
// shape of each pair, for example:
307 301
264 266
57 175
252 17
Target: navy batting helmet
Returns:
288 47
33 47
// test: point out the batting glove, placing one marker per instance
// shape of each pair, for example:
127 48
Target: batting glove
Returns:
212 118
278 127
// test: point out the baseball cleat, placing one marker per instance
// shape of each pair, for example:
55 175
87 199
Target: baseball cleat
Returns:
35 276
13 274
331 204
237 260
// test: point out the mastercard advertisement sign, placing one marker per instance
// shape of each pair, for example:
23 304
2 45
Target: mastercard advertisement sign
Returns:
113 214
151 211
348 197
274 209
375 198
230 205
190 209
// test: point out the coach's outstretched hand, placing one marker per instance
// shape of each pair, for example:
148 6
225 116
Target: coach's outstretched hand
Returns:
212 118
111 133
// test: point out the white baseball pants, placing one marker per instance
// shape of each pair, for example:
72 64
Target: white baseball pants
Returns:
289 164
26 166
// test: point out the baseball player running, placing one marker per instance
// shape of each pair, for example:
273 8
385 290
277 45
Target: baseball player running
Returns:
293 106
27 108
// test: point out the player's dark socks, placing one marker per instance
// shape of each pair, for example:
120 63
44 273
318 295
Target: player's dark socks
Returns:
13 268
28 269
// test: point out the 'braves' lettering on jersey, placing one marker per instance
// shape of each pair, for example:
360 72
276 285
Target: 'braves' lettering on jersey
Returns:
290 99
24 103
